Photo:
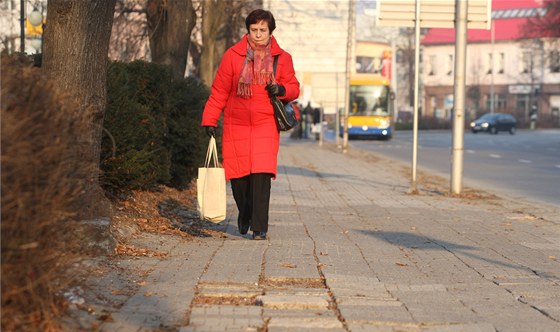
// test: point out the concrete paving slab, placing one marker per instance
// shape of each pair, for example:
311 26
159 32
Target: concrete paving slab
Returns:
293 301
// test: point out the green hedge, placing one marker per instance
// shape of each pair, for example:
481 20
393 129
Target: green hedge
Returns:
152 134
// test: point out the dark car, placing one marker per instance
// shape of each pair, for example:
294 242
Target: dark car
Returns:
494 123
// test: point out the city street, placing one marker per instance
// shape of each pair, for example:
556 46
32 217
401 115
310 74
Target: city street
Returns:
524 165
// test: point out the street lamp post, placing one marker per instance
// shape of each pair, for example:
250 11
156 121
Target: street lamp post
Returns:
35 19
22 26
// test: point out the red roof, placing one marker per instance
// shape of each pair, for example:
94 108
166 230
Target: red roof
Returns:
506 25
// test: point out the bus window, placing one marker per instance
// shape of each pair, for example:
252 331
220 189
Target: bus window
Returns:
367 100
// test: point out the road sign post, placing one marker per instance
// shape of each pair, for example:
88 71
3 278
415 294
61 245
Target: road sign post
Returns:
458 14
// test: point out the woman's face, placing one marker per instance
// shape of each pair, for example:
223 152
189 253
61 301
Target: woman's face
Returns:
259 33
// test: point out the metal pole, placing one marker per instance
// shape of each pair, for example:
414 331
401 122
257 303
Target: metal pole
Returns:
349 63
321 124
413 188
22 26
492 34
337 116
459 95
395 110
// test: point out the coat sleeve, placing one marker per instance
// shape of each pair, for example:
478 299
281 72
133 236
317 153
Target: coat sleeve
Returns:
220 92
286 76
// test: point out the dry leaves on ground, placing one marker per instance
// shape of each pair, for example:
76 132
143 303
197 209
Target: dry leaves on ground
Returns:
165 211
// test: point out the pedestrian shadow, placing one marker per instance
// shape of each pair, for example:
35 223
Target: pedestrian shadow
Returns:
307 172
348 178
421 242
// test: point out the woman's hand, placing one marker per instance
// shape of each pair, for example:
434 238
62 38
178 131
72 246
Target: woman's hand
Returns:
275 90
210 131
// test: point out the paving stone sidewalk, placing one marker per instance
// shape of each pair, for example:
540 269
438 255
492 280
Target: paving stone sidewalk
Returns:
350 250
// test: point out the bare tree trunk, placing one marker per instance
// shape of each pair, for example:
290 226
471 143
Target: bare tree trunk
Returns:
212 17
76 43
170 23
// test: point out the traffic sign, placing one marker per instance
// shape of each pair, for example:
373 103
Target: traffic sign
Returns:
433 13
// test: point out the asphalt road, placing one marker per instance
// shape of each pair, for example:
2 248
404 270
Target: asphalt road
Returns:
524 165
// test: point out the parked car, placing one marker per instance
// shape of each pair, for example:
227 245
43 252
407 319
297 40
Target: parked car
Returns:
494 123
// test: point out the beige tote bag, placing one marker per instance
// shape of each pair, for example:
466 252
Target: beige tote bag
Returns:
211 187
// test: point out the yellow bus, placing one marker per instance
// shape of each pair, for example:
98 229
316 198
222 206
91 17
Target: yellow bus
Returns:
371 107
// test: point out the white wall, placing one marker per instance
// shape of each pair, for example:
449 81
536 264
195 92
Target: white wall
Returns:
315 34
478 65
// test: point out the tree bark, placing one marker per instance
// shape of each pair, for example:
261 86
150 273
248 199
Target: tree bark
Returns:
212 16
170 23
76 42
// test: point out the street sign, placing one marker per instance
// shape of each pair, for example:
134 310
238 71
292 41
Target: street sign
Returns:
460 15
433 13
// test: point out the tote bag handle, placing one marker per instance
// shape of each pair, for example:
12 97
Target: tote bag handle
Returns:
212 154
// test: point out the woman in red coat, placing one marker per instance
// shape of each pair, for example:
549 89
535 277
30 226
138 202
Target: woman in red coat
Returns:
242 88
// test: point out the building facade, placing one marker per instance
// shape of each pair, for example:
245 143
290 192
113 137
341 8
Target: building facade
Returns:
315 33
506 71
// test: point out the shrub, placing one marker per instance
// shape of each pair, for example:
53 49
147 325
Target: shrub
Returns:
186 142
40 179
152 127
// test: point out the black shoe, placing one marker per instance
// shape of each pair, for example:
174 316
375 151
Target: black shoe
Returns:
243 228
259 235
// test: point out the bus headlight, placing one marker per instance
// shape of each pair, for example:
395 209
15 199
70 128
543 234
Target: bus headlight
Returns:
364 128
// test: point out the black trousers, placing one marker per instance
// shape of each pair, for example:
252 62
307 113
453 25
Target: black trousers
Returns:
252 196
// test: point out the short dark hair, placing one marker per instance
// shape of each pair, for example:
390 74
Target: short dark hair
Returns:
258 15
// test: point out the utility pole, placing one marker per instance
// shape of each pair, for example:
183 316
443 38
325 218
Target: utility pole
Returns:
413 182
459 95
492 37
349 64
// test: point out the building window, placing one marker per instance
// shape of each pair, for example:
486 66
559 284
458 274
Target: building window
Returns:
501 63
523 102
365 64
433 104
449 64
489 63
526 62
500 101
433 65
555 61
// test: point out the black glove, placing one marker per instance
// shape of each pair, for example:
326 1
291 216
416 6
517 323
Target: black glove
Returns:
210 131
275 90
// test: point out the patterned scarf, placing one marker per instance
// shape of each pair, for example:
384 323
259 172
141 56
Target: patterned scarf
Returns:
257 68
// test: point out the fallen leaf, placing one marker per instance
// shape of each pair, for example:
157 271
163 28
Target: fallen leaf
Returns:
106 318
148 294
288 265
324 253
401 264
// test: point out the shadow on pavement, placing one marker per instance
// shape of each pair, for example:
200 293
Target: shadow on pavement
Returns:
349 179
420 242
311 173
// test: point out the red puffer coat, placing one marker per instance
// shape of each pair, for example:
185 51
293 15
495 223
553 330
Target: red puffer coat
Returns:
250 138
